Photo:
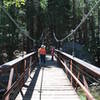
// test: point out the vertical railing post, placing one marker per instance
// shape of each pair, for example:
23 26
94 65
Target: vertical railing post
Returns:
37 58
78 76
65 68
71 71
30 63
16 71
9 82
58 62
21 72
24 65
86 85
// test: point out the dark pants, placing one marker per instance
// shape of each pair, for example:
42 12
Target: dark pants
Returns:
42 58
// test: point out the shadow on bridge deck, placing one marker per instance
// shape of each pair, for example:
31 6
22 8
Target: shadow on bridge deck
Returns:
47 83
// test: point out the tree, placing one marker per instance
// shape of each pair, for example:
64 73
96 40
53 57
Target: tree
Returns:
59 16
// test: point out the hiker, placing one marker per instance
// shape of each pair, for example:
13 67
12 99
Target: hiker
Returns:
42 54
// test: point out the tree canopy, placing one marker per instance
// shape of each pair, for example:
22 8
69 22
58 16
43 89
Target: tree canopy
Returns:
48 16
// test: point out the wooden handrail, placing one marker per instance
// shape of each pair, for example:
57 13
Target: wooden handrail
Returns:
94 70
13 62
7 66
11 66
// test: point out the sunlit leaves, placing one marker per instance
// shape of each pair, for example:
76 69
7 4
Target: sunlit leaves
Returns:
18 3
43 4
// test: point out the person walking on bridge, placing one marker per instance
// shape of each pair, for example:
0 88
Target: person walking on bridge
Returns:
42 54
52 53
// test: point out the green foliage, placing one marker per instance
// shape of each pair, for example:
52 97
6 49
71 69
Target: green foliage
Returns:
81 94
18 3
43 4
58 15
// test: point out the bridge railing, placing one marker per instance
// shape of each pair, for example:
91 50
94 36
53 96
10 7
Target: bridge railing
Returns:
76 70
18 71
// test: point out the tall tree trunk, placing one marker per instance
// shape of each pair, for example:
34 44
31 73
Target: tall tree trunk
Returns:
36 5
98 24
92 25
85 27
32 7
12 31
74 19
98 40
28 21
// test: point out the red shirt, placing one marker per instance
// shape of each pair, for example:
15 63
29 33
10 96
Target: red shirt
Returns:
42 51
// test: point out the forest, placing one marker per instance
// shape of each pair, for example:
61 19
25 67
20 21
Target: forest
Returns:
25 24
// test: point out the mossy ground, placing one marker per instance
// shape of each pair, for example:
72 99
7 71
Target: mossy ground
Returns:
94 90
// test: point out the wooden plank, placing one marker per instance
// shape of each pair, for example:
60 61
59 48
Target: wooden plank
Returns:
52 84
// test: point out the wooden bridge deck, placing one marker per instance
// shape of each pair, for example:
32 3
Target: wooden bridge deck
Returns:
48 83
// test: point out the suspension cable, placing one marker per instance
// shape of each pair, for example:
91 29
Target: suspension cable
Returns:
26 33
55 37
82 21
41 36
73 53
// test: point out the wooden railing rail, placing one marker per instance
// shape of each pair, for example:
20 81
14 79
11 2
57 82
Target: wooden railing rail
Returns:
94 70
69 62
19 69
